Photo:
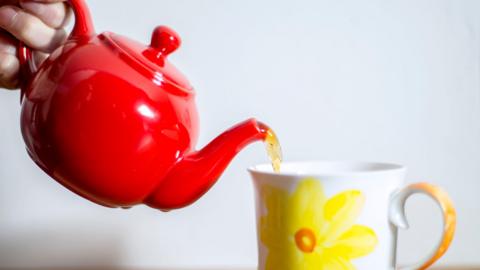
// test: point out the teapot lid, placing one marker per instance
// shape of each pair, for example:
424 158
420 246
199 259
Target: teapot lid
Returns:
151 60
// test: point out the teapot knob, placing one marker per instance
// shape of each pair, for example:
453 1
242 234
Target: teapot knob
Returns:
165 40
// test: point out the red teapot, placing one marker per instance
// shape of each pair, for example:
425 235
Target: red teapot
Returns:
114 121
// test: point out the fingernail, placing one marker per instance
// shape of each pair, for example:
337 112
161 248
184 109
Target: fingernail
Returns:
6 15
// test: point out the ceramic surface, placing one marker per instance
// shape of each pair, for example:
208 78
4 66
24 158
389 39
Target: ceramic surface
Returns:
338 215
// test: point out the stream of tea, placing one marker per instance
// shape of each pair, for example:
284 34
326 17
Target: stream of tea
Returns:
274 151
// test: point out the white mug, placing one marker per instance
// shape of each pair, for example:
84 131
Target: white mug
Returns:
338 215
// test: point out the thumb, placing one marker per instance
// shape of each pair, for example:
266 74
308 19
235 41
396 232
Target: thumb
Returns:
54 14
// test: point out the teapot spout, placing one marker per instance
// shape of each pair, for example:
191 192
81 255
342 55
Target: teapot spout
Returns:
194 174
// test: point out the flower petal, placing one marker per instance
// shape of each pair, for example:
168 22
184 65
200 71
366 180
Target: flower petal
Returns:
340 212
333 262
286 257
275 200
306 206
358 241
312 261
271 225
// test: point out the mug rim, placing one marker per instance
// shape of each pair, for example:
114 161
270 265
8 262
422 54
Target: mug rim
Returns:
337 167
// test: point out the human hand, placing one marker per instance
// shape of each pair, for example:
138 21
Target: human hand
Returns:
38 23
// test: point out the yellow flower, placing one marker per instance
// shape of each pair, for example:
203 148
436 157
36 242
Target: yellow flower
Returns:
305 231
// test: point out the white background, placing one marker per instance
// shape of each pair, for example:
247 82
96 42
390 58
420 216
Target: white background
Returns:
379 80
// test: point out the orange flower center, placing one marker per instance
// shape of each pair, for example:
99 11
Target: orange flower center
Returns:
305 240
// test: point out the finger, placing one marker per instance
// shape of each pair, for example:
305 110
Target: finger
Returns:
30 29
39 57
7 43
53 14
9 69
8 65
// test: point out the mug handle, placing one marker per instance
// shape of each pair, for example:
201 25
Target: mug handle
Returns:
397 217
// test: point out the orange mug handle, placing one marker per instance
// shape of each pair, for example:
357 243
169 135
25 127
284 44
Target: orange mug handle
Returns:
397 217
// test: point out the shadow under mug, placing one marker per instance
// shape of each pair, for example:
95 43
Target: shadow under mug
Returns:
338 215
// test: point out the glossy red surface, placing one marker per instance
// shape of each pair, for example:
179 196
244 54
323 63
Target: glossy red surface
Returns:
112 120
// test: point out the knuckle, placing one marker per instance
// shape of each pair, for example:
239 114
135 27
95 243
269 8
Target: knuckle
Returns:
9 14
57 15
8 70
26 26
7 63
59 37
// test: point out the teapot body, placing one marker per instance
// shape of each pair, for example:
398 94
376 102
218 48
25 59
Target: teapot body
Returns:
113 121
101 128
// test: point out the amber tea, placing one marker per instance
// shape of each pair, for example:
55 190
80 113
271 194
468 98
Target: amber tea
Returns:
274 151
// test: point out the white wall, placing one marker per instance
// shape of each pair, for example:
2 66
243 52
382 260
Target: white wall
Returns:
372 80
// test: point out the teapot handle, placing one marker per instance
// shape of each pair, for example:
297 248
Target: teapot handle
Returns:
83 28
27 67
83 21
